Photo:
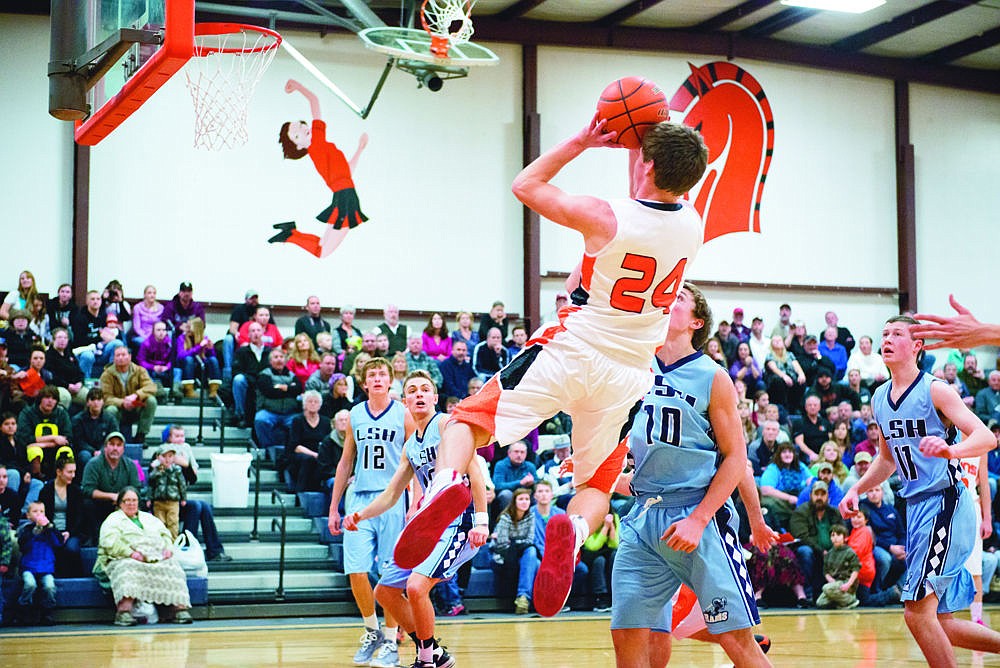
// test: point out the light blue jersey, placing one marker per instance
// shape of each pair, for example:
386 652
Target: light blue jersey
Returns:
379 440
421 450
671 439
904 423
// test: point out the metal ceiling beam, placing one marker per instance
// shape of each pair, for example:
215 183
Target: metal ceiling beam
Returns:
732 45
628 11
518 9
295 18
966 47
898 25
738 12
780 21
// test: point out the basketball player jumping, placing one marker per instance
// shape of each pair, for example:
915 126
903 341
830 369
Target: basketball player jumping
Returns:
683 528
405 593
594 364
297 139
914 413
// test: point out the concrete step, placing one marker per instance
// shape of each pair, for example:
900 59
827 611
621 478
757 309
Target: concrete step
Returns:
272 551
319 579
244 525
265 502
166 413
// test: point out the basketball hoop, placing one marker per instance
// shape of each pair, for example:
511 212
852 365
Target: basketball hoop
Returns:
229 60
448 22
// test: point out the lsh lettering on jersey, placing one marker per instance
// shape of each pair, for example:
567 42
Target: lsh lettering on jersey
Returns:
662 389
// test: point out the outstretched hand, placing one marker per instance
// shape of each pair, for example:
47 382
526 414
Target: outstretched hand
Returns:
351 521
763 537
958 331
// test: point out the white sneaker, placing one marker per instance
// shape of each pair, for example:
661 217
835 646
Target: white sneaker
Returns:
370 642
387 655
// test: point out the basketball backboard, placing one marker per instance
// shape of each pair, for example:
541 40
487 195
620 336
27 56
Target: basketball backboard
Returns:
107 57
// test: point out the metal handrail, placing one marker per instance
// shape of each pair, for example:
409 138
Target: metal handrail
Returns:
279 594
255 463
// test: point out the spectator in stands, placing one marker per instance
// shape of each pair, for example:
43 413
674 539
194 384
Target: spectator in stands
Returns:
518 337
195 355
63 503
10 394
783 376
823 470
182 307
841 568
829 393
11 503
417 359
91 427
810 524
145 315
868 363
949 374
346 328
497 317
6 562
862 461
598 555
783 327
761 451
745 368
61 307
65 369
305 435
331 449
456 372
834 351
134 556
515 557
561 482
844 336
812 430
382 346
129 393
543 509
862 541
760 345
167 488
96 359
367 347
435 340
38 541
728 340
513 472
713 348
811 360
156 356
270 334
194 513
20 339
394 331
561 302
303 360
322 380
858 389
9 456
325 343
780 484
400 369
19 299
490 355
39 323
34 377
463 331
776 569
240 314
973 377
113 302
277 401
248 362
88 324
104 476
890 538
988 398
355 379
312 323
44 425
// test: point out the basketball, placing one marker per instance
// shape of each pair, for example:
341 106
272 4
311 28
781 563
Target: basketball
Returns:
631 106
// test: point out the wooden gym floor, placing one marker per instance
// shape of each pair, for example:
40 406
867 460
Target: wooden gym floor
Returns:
575 640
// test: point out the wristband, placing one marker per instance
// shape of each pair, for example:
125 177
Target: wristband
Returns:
481 519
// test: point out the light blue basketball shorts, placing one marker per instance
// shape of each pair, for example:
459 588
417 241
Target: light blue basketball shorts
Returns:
375 537
452 550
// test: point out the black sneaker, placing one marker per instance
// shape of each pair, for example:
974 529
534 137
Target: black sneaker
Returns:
804 603
763 641
602 603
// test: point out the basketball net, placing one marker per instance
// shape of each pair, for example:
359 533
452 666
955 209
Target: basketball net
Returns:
221 78
448 22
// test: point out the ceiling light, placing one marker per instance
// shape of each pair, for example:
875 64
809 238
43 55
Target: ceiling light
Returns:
848 6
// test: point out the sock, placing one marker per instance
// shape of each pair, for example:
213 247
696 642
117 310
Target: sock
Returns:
977 611
371 622
582 530
390 632
413 637
425 650
307 242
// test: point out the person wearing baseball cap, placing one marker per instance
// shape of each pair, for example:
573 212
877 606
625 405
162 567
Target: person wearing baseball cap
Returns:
105 475
740 329
182 307
810 523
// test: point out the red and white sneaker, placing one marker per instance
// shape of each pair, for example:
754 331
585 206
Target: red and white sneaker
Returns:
421 533
555 574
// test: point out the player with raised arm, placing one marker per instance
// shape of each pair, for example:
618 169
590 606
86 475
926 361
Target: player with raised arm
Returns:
406 592
687 442
915 413
373 446
961 331
298 139
594 364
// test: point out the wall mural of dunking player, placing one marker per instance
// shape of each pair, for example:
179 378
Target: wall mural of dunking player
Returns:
730 109
298 139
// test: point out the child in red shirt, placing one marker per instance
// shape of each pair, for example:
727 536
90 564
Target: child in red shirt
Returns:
862 541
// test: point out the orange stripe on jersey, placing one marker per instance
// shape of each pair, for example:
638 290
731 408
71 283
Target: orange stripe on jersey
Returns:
481 408
546 336
606 475
587 271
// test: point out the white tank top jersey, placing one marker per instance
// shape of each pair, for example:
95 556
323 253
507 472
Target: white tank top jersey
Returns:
622 305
